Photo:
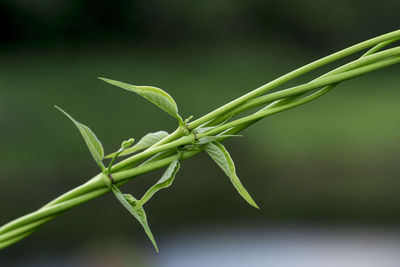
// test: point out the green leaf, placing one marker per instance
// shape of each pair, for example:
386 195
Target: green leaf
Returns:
130 203
155 95
147 141
93 143
165 181
221 156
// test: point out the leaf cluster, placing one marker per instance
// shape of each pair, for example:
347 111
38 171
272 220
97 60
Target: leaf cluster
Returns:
164 101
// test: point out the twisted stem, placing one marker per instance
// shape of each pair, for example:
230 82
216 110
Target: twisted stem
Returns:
163 153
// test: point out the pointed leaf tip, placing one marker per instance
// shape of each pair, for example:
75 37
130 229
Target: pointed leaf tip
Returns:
130 202
165 181
92 142
155 95
221 156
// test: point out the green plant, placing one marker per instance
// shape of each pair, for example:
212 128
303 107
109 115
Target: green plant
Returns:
160 149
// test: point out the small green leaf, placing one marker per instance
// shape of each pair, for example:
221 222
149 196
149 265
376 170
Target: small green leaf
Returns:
93 143
221 156
147 141
130 203
155 95
165 181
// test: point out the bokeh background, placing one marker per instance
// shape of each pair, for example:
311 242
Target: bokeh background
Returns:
325 175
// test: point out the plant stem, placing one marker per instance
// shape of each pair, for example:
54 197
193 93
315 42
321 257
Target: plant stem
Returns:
364 60
87 191
163 152
299 90
154 150
296 73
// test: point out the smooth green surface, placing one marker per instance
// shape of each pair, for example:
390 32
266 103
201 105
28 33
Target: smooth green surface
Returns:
130 203
165 181
92 142
221 156
155 95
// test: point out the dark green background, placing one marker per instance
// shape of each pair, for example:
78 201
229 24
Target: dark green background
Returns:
333 161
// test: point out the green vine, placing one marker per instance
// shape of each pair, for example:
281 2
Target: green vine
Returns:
160 149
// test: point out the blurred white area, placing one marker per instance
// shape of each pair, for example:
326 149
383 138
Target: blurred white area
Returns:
290 247
238 246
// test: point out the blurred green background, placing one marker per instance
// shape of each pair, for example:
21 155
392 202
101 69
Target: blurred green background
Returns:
333 161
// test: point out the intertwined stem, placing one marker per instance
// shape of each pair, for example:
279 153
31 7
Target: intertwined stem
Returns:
153 158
